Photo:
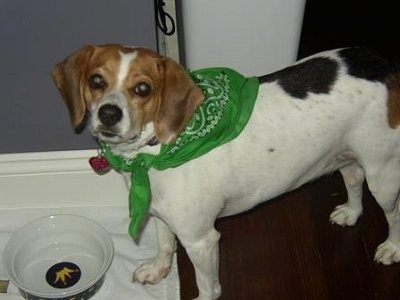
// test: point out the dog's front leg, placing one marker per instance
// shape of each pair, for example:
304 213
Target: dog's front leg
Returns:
154 270
204 255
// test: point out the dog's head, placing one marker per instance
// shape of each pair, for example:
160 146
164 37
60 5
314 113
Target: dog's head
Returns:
128 95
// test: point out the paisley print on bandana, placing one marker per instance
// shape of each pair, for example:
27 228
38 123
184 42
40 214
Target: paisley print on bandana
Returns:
209 114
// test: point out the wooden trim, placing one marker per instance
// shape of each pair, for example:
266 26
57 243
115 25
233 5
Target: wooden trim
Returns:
57 179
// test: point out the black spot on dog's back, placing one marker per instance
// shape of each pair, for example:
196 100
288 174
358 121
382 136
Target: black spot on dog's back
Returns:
316 75
365 63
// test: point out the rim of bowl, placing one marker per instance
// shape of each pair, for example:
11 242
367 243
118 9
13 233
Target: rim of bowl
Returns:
105 266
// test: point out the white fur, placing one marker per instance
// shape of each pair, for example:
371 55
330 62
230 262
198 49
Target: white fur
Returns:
116 97
286 143
126 60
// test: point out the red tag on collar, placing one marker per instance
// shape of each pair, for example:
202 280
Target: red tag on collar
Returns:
99 164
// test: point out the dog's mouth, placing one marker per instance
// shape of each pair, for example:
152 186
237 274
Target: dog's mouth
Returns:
111 136
108 134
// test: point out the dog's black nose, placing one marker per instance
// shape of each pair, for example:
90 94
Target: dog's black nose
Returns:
110 114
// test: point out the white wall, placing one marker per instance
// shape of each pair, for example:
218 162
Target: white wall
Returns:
253 36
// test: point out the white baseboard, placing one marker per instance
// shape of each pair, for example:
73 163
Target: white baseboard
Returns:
57 179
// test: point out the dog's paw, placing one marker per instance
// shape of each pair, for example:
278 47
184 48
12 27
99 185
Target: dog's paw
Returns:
387 253
153 271
343 215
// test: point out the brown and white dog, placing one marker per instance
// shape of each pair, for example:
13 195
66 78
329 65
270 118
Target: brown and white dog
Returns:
336 110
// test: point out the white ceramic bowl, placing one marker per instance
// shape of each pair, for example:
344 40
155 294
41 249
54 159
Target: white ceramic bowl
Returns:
58 257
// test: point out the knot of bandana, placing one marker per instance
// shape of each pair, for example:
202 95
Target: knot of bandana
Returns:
226 109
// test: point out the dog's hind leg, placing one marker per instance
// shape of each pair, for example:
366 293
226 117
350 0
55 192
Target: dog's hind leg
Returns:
348 213
385 187
154 270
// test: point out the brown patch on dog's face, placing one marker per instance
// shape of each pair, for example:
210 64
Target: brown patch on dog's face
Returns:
104 66
142 86
160 91
394 101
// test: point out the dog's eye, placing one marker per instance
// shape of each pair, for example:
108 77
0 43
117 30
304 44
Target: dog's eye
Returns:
142 89
97 81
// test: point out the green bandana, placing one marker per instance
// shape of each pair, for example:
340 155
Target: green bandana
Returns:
228 103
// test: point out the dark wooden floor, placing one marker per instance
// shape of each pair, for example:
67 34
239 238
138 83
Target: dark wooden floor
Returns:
287 249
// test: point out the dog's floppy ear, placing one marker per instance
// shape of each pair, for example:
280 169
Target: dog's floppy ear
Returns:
69 76
179 98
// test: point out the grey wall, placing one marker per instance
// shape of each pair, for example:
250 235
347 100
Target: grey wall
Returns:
34 35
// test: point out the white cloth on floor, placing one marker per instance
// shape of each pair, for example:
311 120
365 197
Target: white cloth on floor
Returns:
127 257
